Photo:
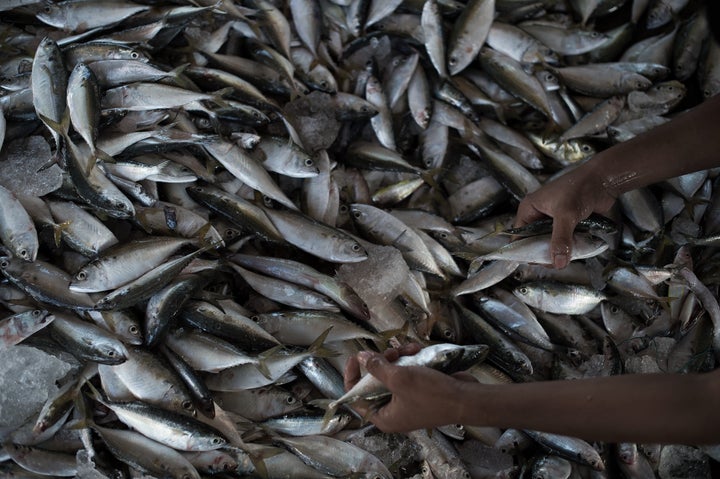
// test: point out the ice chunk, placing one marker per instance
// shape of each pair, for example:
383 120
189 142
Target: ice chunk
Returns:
683 462
22 172
87 469
378 278
377 281
313 116
476 453
27 377
642 365
392 449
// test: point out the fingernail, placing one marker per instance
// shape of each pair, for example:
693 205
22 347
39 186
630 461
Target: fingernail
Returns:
560 260
363 357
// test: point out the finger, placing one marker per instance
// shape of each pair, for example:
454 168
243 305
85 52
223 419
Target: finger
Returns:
377 365
527 213
561 241
351 374
392 354
380 418
409 349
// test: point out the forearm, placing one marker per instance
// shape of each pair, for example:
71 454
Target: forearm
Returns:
658 408
688 143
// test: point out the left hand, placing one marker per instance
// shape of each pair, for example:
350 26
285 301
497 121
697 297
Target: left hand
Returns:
421 397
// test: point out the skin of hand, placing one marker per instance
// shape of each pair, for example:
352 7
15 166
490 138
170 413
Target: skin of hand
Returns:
421 397
685 144
567 199
653 408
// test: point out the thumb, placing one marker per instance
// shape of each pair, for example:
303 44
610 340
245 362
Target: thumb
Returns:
376 364
561 241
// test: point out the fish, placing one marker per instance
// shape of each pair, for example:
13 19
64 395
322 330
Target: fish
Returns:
267 126
17 230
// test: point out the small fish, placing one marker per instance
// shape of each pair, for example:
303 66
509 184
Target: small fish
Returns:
16 328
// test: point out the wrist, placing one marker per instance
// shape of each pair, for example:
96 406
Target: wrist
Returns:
467 405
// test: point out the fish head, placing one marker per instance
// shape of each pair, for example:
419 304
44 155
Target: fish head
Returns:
86 279
24 245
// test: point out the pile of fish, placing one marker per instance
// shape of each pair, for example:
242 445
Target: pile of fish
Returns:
212 204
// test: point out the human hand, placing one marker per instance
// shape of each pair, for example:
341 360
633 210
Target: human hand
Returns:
567 199
421 397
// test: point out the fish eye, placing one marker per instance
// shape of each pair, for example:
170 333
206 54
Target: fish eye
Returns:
586 148
187 405
357 214
23 253
134 330
356 247
111 353
707 93
134 55
443 235
47 9
36 312
81 276
290 400
364 109
4 263
199 189
323 83
309 162
614 309
670 88
343 209
217 440
256 114
448 333
120 205
452 60
523 290
466 475
594 35
229 234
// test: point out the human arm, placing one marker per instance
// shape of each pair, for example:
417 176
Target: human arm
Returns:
655 408
687 143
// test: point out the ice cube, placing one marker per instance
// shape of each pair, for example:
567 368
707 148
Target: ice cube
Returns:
683 462
24 169
27 377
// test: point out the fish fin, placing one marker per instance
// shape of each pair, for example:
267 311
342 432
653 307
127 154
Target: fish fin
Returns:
388 334
58 231
97 395
205 242
317 349
329 413
428 176
320 403
218 97
59 128
176 72
101 155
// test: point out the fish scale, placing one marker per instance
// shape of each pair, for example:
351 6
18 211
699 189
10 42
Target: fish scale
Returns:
451 135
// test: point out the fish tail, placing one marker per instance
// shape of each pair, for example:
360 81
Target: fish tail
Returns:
317 349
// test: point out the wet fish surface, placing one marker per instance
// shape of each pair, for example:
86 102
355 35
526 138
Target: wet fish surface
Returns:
254 191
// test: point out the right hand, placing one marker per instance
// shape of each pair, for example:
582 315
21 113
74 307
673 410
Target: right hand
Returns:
567 199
